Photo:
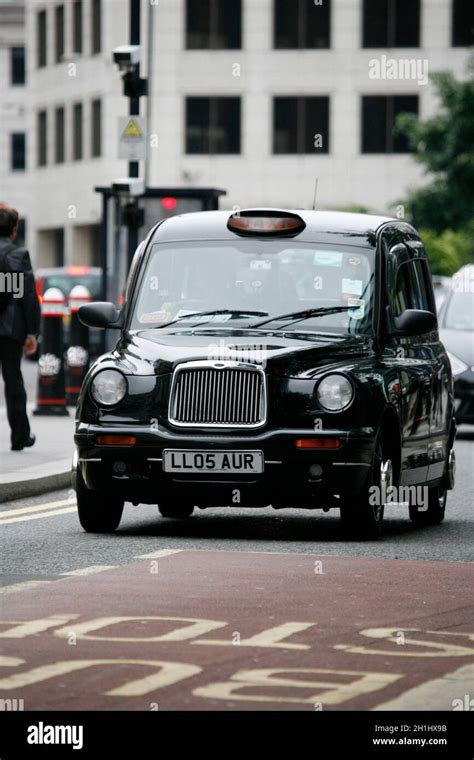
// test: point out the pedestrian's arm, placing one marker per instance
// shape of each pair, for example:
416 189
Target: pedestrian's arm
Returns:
20 262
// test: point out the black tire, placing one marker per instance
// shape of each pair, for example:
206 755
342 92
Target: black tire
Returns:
361 519
174 510
99 511
435 513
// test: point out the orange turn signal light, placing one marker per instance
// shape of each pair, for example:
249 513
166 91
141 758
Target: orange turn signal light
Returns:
318 443
115 440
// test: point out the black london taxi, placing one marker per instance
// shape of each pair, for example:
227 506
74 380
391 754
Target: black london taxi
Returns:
269 357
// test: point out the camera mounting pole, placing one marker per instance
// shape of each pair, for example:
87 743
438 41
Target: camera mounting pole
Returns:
134 92
128 58
134 166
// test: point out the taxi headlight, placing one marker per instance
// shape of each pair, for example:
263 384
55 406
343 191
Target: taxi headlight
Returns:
109 387
335 392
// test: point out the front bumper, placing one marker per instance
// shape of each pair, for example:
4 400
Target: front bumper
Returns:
286 469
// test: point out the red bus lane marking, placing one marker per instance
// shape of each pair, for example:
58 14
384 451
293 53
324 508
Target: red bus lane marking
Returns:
220 630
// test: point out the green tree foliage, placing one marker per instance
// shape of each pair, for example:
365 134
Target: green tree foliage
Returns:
448 251
444 145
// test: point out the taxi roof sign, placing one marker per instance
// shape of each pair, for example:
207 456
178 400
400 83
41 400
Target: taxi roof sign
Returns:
267 222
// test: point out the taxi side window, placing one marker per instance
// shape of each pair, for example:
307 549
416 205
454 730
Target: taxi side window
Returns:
420 292
402 294
410 289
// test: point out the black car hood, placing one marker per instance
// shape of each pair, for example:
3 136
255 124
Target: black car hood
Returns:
460 343
293 354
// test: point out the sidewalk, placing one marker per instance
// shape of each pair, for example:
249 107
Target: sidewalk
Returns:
44 467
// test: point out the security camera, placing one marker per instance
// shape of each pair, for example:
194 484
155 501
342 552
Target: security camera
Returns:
130 187
127 56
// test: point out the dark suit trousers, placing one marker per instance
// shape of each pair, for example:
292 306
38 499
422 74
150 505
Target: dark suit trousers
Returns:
15 395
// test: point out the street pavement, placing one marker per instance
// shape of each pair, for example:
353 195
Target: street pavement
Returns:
48 463
210 630
234 608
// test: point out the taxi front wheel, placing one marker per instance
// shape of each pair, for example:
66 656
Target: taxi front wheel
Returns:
362 515
99 511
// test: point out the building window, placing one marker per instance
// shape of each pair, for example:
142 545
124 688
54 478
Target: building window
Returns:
96 125
463 23
213 125
17 65
59 144
77 27
391 23
95 245
96 17
20 239
301 24
300 125
58 247
18 152
379 114
42 138
41 38
213 24
59 32
77 150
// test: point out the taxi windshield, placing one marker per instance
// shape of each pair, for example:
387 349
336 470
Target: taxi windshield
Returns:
273 277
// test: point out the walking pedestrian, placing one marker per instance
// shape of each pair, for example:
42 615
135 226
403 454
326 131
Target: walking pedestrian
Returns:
19 324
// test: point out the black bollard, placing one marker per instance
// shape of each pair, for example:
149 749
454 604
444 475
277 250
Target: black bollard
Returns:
77 356
51 398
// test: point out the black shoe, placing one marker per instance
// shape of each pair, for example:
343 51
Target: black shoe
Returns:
30 441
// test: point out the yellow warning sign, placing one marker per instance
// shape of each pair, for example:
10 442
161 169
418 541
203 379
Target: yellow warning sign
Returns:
132 130
132 138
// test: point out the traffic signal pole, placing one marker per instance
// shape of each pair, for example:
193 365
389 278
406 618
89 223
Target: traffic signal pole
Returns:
135 22
134 166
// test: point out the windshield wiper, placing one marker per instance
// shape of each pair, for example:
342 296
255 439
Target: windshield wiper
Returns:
298 316
234 312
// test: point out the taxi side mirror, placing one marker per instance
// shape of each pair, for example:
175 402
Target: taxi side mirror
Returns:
413 322
101 314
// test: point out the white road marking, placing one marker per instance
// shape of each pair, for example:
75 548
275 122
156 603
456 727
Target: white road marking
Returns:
271 637
38 516
438 694
10 662
327 686
90 570
36 508
21 628
157 554
163 674
25 586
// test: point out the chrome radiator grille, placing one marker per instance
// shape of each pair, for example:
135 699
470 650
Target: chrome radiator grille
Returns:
219 394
